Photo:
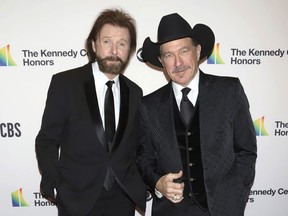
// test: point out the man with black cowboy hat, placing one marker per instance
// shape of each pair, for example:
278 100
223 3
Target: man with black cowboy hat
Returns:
197 148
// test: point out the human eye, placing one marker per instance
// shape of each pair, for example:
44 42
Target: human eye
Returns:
106 42
123 44
167 55
185 50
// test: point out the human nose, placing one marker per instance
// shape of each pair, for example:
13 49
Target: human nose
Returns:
114 49
178 60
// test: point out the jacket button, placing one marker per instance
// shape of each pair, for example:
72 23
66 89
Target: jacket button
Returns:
190 149
191 164
192 179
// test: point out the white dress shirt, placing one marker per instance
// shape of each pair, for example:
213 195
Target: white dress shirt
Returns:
100 85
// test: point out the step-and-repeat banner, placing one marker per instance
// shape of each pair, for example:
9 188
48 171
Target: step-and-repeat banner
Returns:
41 38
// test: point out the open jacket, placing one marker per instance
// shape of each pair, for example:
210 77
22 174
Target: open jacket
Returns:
71 145
227 138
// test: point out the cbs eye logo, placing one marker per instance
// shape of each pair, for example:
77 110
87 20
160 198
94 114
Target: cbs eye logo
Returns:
139 55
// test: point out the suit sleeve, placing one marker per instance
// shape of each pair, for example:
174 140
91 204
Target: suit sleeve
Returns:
244 138
49 137
146 153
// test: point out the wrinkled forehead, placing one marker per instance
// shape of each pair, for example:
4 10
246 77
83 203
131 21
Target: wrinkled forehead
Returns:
174 45
109 30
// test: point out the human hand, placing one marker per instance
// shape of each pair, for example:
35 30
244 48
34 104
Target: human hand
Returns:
169 186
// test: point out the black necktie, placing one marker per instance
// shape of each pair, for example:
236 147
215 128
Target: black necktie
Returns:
186 107
109 115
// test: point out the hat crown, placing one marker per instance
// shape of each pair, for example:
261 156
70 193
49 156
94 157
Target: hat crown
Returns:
173 26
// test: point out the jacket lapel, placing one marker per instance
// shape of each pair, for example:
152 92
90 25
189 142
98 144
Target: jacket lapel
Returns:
92 102
166 125
123 114
165 108
206 98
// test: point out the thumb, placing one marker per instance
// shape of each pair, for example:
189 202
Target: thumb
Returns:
177 175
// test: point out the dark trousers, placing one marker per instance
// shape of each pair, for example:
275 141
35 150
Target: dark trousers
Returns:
192 210
109 203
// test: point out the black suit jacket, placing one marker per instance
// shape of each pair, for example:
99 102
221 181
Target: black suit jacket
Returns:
227 138
72 122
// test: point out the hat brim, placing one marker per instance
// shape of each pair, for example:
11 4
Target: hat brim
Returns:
200 33
151 52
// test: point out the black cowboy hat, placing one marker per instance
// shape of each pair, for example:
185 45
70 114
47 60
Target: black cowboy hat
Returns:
172 27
